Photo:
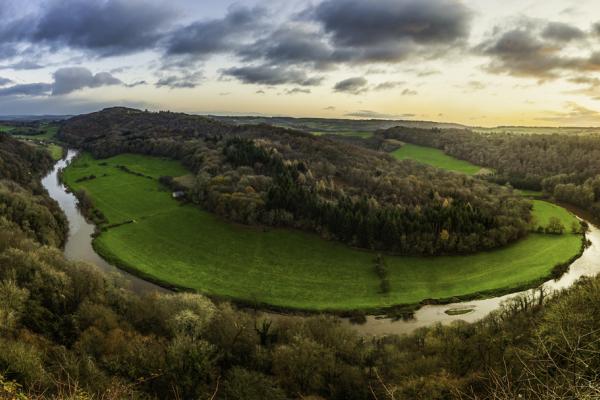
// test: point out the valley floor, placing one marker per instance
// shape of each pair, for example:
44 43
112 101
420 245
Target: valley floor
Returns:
184 246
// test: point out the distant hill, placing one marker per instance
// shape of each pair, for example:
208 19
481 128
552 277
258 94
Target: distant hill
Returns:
36 118
350 127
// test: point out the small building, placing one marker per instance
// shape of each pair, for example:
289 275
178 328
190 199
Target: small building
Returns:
178 194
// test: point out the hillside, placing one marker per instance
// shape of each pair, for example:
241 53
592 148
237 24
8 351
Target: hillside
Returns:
564 166
23 201
258 174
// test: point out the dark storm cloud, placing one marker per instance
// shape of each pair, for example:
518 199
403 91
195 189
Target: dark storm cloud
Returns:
355 85
273 51
66 80
272 75
104 27
534 49
203 38
185 81
5 81
361 32
521 52
290 45
562 32
358 23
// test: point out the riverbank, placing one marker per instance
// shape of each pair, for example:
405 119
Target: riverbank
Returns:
181 246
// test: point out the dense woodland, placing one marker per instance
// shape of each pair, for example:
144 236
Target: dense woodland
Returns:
22 197
69 332
566 167
259 174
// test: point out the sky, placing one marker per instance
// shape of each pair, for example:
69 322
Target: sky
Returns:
476 62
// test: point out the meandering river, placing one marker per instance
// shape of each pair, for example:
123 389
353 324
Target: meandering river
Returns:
79 243
79 248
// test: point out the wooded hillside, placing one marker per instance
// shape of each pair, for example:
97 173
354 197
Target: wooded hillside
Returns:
566 167
258 174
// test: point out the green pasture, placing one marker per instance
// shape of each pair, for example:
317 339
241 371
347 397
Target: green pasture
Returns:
434 157
185 246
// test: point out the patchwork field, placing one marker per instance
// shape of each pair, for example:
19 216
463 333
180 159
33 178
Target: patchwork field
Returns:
185 246
434 157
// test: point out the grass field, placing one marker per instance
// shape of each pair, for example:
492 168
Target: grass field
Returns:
55 151
543 211
185 246
434 157
49 133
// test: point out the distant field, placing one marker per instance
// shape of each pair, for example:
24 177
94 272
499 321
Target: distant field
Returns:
47 138
185 246
55 151
49 133
536 130
434 157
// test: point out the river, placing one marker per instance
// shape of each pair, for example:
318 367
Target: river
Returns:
79 242
79 248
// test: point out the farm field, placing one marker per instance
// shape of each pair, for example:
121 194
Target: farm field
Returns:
49 132
434 157
185 246
55 151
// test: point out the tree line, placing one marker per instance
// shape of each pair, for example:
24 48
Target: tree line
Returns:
566 167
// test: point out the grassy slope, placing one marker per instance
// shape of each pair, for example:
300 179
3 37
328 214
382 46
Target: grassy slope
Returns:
543 211
50 131
55 151
186 246
435 157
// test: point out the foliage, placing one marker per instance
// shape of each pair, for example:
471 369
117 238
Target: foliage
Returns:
564 166
69 332
278 177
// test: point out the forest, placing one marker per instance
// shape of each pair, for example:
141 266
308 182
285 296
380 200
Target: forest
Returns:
566 167
69 332
259 174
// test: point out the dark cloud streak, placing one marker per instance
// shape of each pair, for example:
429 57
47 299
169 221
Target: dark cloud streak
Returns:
354 85
271 75
104 27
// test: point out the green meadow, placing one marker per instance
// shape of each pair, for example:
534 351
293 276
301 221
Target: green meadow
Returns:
55 151
182 245
434 157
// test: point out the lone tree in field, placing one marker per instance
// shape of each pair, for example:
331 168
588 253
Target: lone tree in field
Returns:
555 226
